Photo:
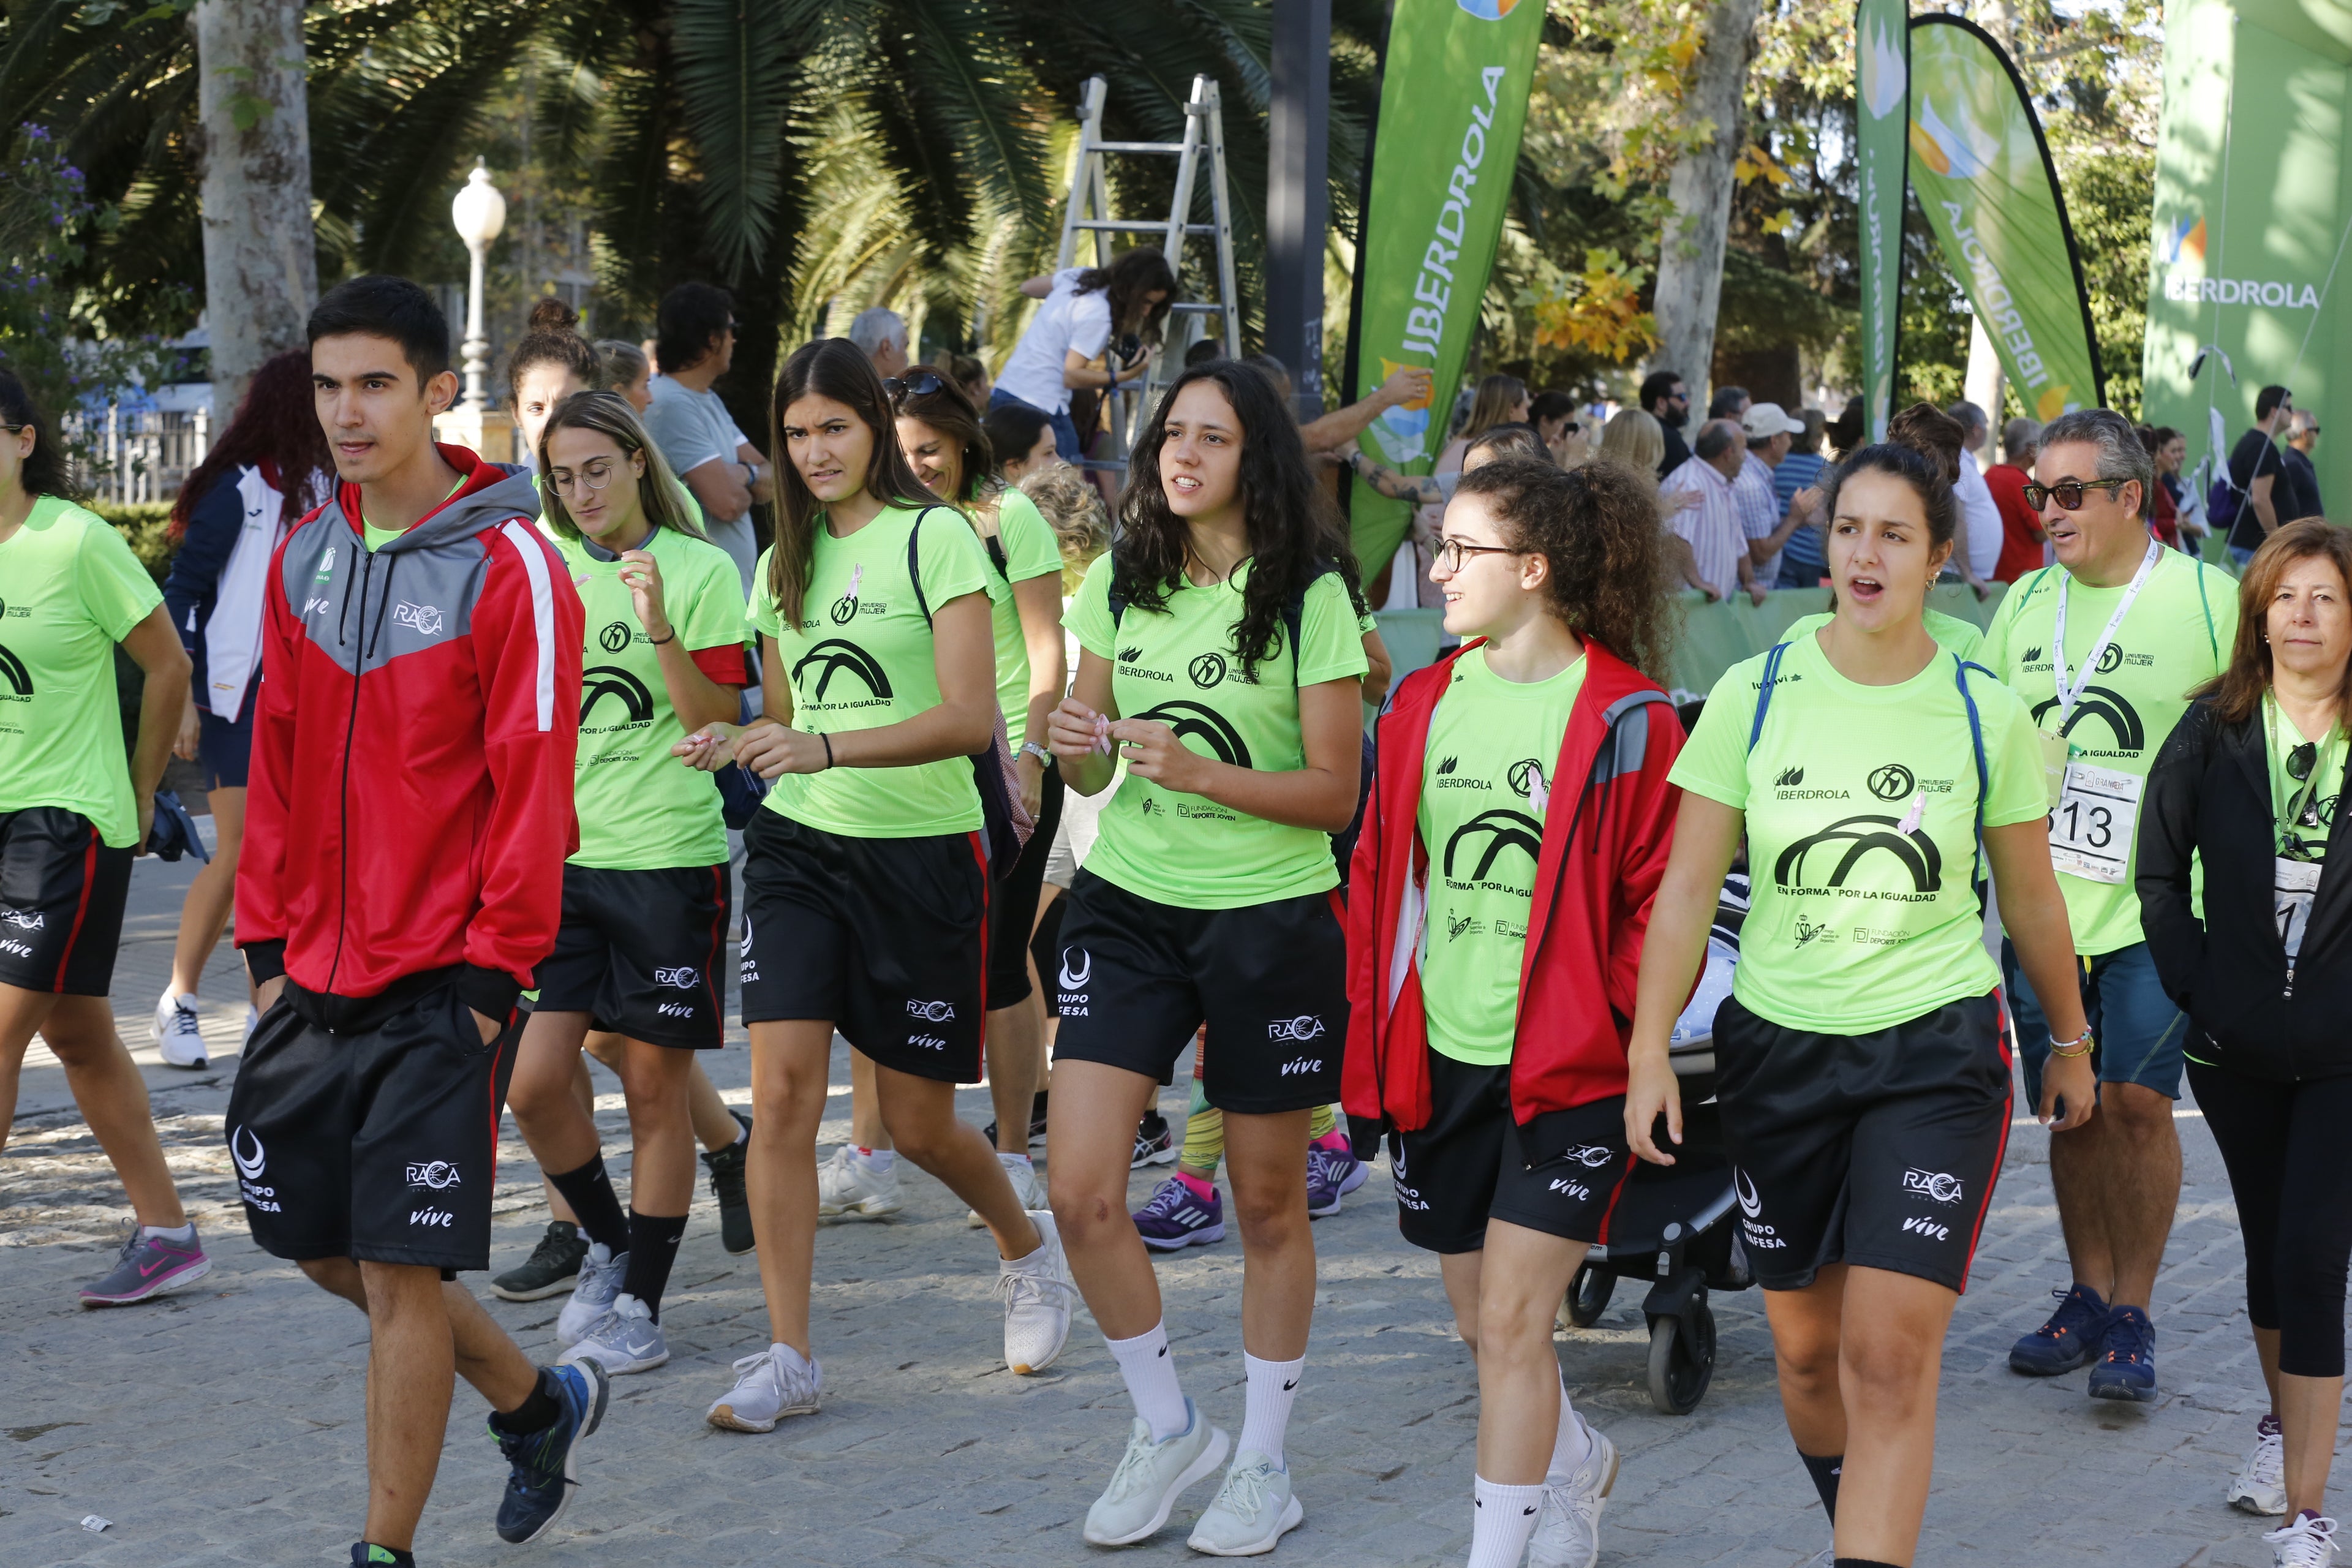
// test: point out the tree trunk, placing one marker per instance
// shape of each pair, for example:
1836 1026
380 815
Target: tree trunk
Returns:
261 274
1690 258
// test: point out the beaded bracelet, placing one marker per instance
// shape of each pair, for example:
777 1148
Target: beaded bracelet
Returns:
2080 1046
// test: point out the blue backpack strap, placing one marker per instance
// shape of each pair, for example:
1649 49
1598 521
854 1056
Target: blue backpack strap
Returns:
2212 642
1764 695
1960 669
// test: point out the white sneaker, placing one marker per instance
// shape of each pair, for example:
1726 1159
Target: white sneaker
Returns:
1038 1295
1027 1185
2261 1486
769 1386
176 1035
849 1188
1151 1477
599 1288
1250 1511
2309 1541
623 1341
1567 1530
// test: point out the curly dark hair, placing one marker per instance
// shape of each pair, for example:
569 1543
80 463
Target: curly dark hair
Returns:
46 470
1918 469
1294 532
277 425
1597 525
1929 431
840 370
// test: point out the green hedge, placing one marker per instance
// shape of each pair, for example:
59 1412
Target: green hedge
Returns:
143 527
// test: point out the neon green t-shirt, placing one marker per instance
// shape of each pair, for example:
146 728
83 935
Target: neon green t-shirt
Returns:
70 590
1963 637
640 808
1862 915
863 658
376 538
1178 665
1491 742
1030 550
2302 810
2176 637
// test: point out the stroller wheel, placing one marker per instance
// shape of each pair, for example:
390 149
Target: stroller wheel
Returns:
1588 1297
1681 1363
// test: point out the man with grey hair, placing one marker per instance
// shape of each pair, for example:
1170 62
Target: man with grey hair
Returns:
1980 518
1711 525
2105 645
881 332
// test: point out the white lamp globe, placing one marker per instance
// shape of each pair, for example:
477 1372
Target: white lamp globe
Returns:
480 212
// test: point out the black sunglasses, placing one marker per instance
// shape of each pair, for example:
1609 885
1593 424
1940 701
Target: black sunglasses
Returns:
2299 761
2068 494
922 384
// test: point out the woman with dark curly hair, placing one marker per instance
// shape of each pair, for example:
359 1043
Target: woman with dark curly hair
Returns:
1220 656
1498 1052
269 467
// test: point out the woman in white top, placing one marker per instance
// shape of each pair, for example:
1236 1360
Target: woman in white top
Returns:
1083 310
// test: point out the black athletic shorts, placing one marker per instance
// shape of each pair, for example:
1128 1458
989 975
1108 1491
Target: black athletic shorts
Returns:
640 951
886 939
1562 1173
1013 903
61 897
1136 979
368 1127
1879 1150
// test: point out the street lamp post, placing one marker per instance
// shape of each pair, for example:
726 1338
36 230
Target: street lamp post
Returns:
1297 206
480 213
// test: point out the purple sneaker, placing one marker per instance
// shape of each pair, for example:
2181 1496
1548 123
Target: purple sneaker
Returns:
149 1265
1331 1174
1176 1217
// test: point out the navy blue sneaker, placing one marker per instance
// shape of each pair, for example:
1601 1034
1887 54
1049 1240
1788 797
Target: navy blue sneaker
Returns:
547 1463
2069 1340
2126 1365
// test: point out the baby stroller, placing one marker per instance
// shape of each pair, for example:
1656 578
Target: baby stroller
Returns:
1673 1225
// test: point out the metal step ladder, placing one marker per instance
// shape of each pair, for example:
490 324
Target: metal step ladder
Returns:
1087 215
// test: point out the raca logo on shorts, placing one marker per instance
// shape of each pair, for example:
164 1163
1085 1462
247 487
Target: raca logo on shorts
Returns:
437 1174
931 1012
1306 1026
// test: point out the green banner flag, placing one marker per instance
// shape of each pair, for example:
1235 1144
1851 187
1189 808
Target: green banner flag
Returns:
1453 98
1983 176
1882 82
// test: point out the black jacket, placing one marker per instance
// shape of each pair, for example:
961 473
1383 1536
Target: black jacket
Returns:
2210 792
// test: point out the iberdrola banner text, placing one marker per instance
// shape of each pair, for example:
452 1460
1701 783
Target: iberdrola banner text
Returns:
1882 72
1983 177
1454 99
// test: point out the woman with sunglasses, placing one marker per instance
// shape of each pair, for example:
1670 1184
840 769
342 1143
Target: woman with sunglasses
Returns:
1862 1076
1220 656
2249 782
866 881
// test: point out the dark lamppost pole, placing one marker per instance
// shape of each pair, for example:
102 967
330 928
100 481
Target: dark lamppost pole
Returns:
1297 195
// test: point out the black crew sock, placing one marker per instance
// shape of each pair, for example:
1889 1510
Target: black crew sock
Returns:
653 1248
368 1554
1824 1469
536 1413
1037 1106
589 1191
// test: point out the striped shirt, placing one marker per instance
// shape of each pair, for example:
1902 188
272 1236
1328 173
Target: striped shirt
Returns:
1712 526
1751 497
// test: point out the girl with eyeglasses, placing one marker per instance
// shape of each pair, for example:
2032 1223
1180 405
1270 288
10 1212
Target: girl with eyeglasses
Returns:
866 879
2250 783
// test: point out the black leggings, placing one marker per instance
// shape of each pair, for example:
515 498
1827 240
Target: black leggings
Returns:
2283 1143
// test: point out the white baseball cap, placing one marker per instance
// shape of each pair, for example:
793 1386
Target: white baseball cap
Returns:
1764 420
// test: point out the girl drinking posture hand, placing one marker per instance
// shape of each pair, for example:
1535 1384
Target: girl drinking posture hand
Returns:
646 894
1490 965
866 879
1220 656
1863 1075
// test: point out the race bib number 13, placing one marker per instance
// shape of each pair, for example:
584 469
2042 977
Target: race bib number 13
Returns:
2091 825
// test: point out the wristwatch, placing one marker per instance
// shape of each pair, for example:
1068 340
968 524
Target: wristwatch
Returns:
1032 749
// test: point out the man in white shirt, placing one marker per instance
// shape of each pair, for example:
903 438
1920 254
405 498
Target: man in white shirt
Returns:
1980 527
1710 526
694 345
882 334
1769 433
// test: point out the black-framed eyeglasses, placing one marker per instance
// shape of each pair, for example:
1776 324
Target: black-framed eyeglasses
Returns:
593 476
15 429
1451 553
921 384
2068 494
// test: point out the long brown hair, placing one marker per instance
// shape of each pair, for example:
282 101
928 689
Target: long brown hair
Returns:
1597 525
948 410
840 370
1496 403
2237 692
277 425
609 414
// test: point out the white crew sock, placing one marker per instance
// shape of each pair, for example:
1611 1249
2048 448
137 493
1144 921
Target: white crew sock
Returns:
789 1356
1503 1520
877 1161
1010 1160
1273 1384
185 1233
1571 1445
1150 1375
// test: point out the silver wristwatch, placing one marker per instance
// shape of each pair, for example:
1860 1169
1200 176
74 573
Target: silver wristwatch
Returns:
1031 748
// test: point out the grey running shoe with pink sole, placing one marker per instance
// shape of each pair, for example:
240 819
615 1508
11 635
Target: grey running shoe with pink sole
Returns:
149 1265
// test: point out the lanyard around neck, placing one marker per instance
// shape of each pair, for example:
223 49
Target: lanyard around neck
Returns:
2289 801
2070 695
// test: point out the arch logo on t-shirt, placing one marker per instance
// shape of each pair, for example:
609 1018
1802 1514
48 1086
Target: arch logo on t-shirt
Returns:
860 657
640 808
1178 665
2176 637
1484 782
1860 804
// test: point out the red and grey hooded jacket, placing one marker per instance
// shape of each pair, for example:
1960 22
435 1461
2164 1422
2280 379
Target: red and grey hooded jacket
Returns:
1603 852
410 802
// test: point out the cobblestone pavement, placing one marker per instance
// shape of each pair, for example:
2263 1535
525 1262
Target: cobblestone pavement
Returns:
223 1426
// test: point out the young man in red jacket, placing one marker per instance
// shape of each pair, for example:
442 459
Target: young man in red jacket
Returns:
1519 823
409 815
